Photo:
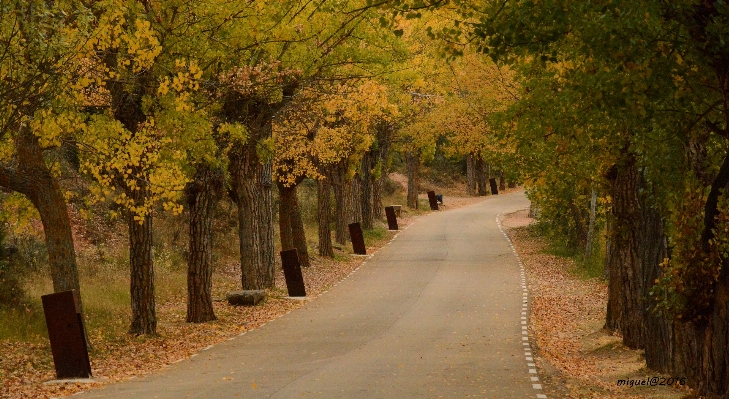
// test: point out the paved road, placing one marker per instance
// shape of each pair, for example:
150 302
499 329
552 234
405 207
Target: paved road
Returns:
436 313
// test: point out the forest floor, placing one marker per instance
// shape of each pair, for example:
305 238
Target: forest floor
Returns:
26 367
576 356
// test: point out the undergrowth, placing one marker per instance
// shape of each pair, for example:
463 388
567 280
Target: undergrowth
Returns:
103 265
585 268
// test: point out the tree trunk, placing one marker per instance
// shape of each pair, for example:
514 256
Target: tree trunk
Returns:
638 246
591 224
324 218
471 173
608 246
251 180
413 165
286 202
366 200
384 142
144 318
624 312
341 188
482 180
378 208
202 194
580 238
502 181
291 226
33 179
354 199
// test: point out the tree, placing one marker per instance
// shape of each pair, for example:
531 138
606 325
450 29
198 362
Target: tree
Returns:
137 139
40 65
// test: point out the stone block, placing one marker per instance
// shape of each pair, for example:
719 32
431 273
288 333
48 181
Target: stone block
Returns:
246 297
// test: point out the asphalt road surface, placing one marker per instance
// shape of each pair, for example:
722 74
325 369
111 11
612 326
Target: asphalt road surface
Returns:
437 313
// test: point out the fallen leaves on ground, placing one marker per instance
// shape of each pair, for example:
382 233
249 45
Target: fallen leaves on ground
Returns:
575 355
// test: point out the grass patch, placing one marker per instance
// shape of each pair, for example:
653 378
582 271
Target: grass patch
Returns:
23 323
340 257
591 268
374 235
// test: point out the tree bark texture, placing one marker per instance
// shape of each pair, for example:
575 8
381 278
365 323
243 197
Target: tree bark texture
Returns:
378 208
638 246
144 318
384 135
413 164
354 201
624 285
471 181
202 194
369 161
251 181
591 224
32 178
482 179
291 225
324 213
285 197
341 188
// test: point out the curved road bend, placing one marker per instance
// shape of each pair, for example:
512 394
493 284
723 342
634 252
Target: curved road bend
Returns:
436 313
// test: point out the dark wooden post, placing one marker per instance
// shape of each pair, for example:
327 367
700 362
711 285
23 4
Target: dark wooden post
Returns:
494 187
391 218
358 245
433 202
292 272
67 335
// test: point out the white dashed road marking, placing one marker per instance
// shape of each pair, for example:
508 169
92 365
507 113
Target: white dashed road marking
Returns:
525 330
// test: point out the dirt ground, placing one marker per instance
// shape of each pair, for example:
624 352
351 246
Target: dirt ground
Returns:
575 356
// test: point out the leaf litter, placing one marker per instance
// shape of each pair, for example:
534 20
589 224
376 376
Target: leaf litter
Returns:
575 355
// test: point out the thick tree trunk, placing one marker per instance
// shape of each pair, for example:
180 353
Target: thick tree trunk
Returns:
342 189
202 194
378 208
366 190
291 226
413 165
286 201
482 180
324 218
384 142
144 318
652 247
502 181
708 355
354 200
624 309
471 172
638 246
33 179
252 183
